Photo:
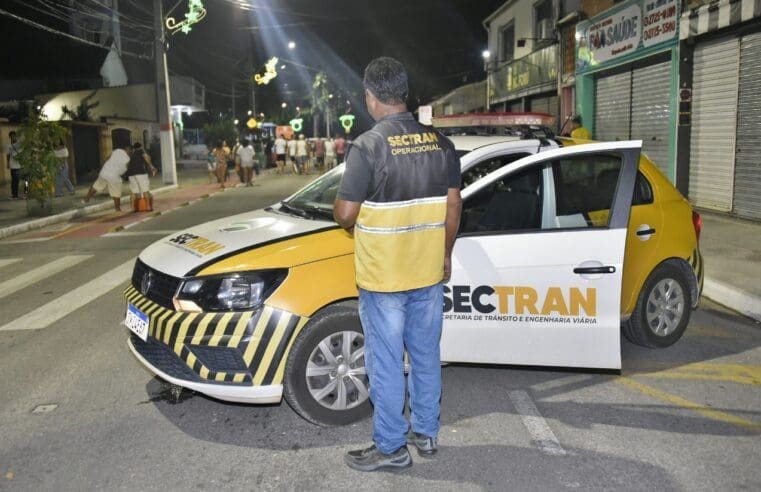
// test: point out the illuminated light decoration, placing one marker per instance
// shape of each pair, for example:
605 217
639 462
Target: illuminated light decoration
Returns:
270 72
195 14
252 123
347 121
297 124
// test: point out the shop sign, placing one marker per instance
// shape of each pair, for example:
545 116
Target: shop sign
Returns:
523 73
623 30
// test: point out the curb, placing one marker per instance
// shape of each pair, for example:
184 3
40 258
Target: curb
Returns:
736 299
70 214
156 213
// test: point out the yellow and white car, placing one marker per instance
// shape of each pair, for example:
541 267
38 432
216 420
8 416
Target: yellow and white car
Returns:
561 248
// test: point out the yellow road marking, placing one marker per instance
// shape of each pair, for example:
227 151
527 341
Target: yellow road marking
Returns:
690 405
735 373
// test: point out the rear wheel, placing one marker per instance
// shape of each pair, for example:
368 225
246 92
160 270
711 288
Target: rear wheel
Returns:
326 381
662 311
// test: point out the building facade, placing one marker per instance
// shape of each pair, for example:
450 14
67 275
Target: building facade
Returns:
720 109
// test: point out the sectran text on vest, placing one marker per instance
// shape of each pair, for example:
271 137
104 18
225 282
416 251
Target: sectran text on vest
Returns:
414 143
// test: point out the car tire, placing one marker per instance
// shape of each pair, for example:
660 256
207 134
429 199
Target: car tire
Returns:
663 309
336 391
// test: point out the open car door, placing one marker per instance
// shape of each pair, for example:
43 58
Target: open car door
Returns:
537 267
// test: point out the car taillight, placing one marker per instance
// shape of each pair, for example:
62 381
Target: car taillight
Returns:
697 222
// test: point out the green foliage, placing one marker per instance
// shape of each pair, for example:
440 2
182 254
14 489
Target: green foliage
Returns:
39 139
83 111
220 130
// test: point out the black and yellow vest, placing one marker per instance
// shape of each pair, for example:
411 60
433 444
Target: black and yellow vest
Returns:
399 233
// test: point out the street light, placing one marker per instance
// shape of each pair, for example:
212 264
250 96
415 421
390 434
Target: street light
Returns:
250 112
284 105
291 45
330 96
236 122
486 54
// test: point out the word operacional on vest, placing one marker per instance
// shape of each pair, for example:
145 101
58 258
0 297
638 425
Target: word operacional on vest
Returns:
414 143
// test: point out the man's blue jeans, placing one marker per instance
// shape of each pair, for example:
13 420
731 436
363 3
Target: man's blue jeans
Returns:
391 322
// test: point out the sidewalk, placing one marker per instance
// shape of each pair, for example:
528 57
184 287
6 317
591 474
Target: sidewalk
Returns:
731 251
15 219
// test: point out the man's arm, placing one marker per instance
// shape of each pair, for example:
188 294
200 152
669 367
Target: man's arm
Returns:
345 213
452 224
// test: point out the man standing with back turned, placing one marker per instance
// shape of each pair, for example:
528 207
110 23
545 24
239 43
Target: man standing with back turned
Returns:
400 195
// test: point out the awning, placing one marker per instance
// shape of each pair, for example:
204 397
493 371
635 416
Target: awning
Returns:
716 15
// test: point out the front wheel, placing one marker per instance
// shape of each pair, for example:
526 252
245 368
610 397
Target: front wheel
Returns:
326 380
662 311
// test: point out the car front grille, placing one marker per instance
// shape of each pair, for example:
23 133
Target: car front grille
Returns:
159 287
163 359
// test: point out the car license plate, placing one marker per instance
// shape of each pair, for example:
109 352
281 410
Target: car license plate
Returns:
137 321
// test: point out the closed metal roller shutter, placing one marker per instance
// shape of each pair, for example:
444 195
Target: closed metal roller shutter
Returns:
712 141
747 196
612 107
651 111
547 104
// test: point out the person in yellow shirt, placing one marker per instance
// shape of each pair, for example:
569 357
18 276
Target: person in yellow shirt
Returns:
577 130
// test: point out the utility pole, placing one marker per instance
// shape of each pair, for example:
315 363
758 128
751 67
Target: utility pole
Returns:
232 88
166 136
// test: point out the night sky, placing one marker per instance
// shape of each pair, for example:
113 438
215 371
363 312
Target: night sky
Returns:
439 41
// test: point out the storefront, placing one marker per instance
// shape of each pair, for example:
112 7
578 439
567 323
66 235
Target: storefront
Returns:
721 74
627 61
527 84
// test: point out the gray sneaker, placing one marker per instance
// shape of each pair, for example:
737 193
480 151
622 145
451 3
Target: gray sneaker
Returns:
426 446
371 459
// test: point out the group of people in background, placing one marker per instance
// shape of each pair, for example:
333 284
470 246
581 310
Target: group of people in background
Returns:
301 153
245 158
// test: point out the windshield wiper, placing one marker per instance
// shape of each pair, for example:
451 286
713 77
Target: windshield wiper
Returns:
295 211
317 210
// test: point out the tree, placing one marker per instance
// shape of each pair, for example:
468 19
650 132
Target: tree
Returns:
218 131
82 111
322 101
39 138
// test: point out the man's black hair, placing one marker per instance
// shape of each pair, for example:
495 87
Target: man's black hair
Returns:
386 78
137 145
11 134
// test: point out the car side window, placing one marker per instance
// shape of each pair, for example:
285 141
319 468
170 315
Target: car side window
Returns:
585 187
481 169
513 203
643 192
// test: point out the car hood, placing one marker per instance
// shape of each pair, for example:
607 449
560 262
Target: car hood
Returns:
187 252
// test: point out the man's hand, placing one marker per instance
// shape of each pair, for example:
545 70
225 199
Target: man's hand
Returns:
447 268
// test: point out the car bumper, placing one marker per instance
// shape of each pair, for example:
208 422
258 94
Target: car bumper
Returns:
235 393
230 356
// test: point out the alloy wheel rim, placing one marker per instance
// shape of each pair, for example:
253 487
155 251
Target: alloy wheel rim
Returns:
665 307
335 374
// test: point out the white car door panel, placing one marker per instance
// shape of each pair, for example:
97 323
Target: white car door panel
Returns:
546 294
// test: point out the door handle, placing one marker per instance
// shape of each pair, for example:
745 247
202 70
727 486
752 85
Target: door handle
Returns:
596 270
646 232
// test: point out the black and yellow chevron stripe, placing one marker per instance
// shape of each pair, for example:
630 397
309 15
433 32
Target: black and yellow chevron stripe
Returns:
696 262
262 338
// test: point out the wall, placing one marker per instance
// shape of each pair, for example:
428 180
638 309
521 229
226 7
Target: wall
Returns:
131 102
464 99
522 13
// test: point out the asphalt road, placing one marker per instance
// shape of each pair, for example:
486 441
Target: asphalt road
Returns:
77 411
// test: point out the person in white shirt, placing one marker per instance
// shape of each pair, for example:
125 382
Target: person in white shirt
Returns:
110 176
292 154
280 148
246 155
12 151
330 153
62 176
302 155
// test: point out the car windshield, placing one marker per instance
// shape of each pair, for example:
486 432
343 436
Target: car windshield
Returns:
316 199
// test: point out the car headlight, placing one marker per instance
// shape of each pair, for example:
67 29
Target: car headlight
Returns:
236 292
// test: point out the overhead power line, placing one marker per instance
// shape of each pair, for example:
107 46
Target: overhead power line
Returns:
67 35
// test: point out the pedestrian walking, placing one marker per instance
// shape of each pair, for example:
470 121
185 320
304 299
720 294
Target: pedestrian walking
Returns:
12 150
221 154
246 155
402 202
330 153
302 155
62 174
319 154
211 164
230 163
340 144
280 150
234 156
292 154
138 168
110 176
